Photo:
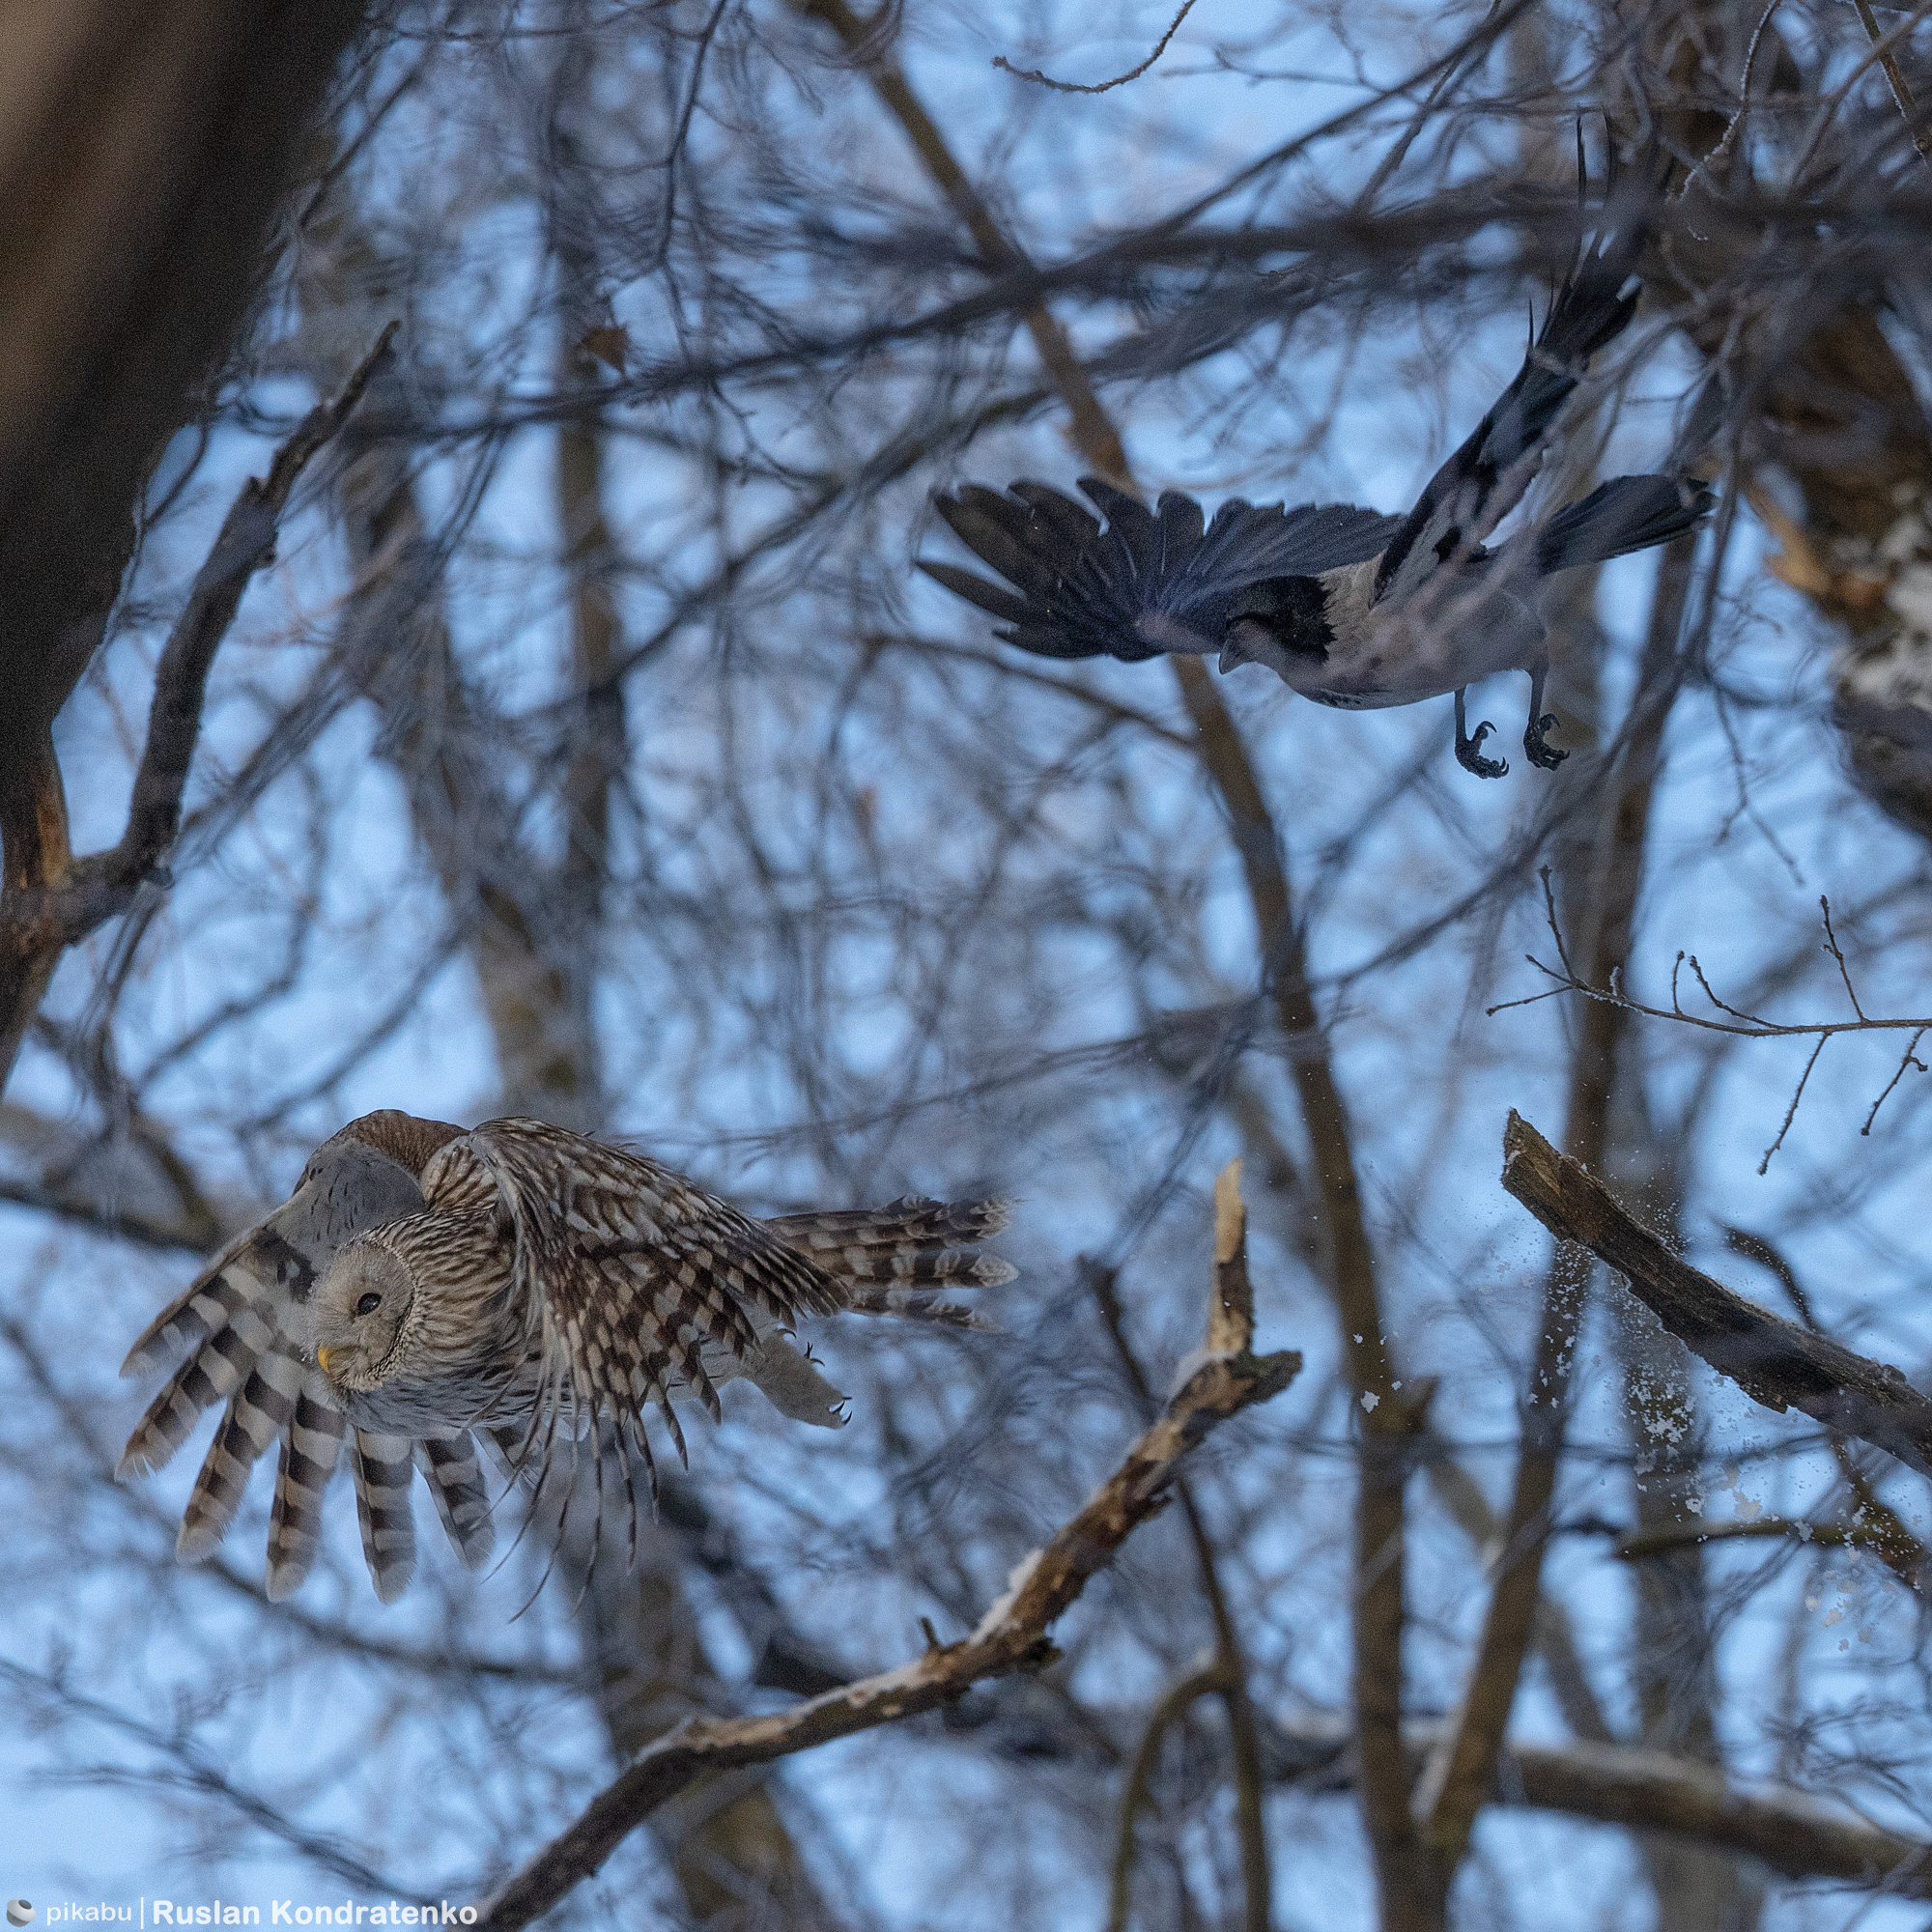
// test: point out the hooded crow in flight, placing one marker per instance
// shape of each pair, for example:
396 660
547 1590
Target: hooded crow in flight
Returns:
1348 607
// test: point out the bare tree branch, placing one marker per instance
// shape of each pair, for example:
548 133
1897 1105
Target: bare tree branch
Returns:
1172 1705
1794 1834
38 924
1775 1361
1885 49
1012 1638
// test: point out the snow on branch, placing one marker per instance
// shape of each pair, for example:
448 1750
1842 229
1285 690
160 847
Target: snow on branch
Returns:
1776 1362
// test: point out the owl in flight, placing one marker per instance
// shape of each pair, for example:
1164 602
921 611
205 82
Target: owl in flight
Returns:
427 1289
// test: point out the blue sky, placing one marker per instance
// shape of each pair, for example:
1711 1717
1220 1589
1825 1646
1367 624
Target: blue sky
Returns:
917 999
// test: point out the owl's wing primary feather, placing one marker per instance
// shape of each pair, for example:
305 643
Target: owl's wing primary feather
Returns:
1152 581
632 1280
912 1242
242 1324
383 1466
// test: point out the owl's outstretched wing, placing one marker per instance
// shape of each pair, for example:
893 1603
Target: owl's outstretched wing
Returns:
637 1284
633 1281
1152 581
241 1331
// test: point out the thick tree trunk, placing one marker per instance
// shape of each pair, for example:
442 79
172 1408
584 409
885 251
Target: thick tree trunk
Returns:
144 145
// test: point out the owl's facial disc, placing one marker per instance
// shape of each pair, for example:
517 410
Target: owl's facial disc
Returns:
360 1303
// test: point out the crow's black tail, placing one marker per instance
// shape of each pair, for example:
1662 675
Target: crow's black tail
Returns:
1591 310
1625 514
1485 479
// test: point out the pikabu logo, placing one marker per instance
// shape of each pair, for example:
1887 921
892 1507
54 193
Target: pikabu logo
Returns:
20 1911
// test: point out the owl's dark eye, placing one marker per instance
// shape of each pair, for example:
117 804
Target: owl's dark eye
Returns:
369 1304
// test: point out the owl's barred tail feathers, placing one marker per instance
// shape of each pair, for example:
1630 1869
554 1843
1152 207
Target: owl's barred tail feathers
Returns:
888 1259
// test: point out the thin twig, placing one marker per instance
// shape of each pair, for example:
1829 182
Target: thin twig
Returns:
1910 1059
1755 1248
1005 65
1174 1704
1736 120
1901 92
1831 947
246 542
1736 1012
1791 1112
1640 1547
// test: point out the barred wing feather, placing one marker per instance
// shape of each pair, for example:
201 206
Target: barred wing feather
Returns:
635 1281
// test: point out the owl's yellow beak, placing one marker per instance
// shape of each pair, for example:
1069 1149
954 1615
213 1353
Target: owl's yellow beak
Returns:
322 1356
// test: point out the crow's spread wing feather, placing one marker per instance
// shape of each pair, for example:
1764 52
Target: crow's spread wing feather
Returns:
1147 581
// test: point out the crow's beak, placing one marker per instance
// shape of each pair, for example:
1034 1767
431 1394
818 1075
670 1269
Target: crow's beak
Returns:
1232 656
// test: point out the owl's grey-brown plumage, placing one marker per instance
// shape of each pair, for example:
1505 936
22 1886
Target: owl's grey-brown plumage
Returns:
427 1289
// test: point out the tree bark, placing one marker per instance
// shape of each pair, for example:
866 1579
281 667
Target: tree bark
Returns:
143 150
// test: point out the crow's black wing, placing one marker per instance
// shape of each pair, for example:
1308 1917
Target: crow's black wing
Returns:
1149 581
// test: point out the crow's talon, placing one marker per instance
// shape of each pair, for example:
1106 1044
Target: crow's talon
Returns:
1468 757
1547 756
